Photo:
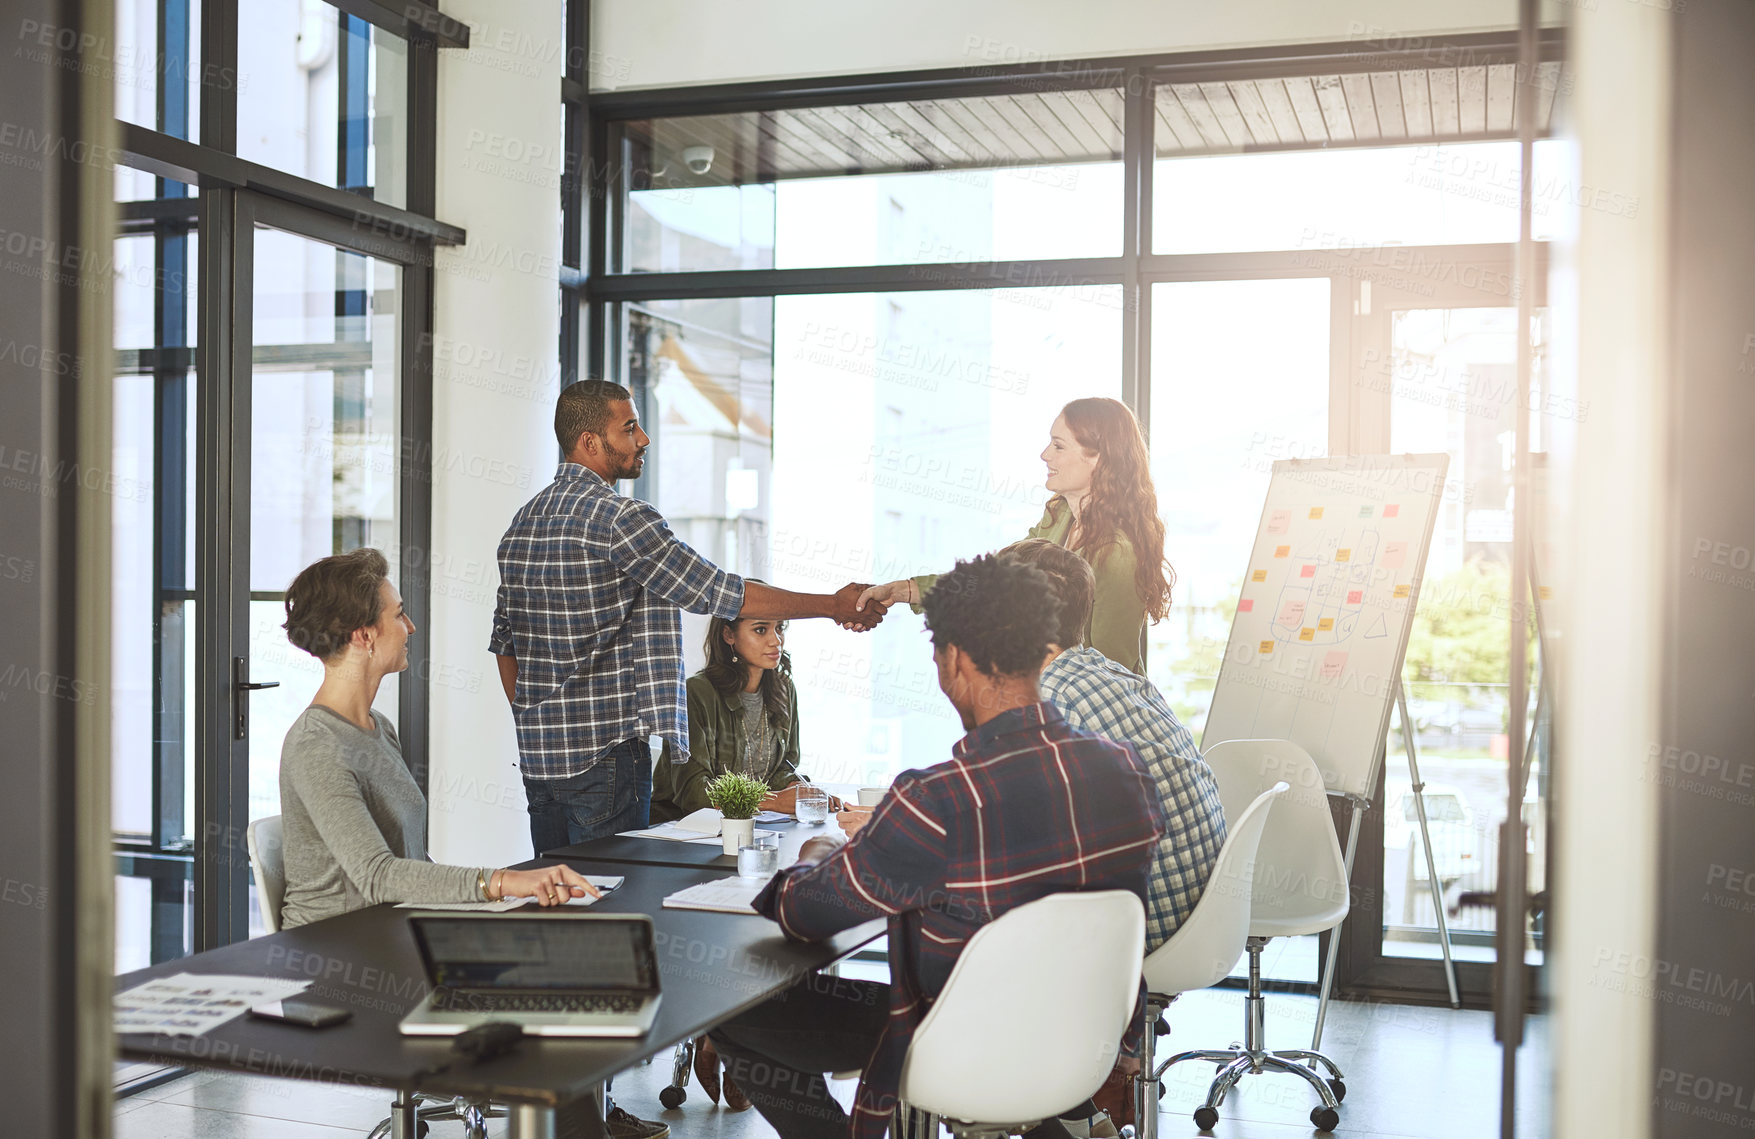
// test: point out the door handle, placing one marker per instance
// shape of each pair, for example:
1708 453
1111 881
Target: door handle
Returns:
241 701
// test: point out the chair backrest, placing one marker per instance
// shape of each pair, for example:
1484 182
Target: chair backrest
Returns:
1300 876
1210 940
1031 1018
264 842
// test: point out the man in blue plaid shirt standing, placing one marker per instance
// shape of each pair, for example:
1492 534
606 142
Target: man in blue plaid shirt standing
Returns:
588 631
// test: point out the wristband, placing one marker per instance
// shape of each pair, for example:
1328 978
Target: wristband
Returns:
481 884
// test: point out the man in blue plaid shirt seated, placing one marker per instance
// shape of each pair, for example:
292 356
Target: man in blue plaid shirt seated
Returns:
588 629
1097 695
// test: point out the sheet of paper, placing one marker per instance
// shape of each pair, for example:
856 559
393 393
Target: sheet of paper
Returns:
772 817
704 821
727 895
604 882
189 1004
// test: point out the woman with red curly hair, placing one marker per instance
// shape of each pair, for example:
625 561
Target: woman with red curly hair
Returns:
1105 510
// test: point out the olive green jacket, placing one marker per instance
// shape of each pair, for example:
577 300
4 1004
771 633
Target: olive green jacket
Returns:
716 737
1118 616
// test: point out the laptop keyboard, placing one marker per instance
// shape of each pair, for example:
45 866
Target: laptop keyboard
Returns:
453 1000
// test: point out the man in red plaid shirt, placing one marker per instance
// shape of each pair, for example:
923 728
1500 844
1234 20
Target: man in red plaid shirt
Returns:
1026 806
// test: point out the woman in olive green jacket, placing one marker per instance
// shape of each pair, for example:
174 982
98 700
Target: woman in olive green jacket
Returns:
1104 509
743 716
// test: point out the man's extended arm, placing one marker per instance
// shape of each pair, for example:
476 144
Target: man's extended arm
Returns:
508 675
782 604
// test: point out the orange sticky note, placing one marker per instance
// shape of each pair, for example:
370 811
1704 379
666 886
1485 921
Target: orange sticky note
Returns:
1307 634
1258 575
1401 591
1315 512
1546 593
1344 554
1282 551
1267 646
1325 624
1307 571
1391 510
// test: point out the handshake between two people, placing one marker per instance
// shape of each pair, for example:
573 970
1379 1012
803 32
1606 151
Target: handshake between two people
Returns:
871 602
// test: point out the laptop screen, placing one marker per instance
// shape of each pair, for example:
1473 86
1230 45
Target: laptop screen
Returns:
505 951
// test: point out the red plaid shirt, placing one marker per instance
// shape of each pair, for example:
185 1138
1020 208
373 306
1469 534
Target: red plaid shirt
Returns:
1027 806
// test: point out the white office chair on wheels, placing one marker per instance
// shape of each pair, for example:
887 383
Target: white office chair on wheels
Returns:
1204 947
1299 887
411 1112
1031 1018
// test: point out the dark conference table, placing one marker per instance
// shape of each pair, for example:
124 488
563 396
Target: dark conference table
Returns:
711 967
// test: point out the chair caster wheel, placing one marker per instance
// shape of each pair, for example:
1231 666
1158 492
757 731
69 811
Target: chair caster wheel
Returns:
1205 1118
672 1097
1325 1118
1339 1088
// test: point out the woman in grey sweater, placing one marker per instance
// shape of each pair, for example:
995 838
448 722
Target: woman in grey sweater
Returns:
354 820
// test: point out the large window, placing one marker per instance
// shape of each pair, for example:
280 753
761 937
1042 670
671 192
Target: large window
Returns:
852 308
299 440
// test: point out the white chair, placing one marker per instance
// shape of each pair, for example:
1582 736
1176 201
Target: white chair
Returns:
1203 948
263 839
1299 887
1031 1019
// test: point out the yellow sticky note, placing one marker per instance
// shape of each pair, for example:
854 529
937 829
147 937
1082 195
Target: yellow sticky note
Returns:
1546 593
1325 624
1258 575
1307 634
1282 551
1401 591
1267 646
1344 554
1316 512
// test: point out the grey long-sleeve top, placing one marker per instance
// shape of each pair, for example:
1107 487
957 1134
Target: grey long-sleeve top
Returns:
355 823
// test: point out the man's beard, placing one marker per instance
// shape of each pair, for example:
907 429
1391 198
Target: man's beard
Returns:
627 463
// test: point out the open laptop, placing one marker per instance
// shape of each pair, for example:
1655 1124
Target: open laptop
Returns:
559 974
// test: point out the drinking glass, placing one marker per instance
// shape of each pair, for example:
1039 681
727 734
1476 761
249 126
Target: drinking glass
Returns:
812 806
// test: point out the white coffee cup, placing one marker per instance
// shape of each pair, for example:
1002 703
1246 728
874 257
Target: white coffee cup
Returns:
872 796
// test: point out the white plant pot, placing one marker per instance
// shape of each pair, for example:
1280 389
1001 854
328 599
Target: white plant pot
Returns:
736 833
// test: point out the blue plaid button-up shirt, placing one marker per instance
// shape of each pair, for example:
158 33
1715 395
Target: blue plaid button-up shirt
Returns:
591 585
1097 695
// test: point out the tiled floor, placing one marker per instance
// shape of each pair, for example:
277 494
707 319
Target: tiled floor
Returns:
1412 1073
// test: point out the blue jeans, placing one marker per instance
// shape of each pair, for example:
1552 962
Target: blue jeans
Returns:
614 794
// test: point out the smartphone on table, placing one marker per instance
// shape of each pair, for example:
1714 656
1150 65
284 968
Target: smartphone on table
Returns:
298 1010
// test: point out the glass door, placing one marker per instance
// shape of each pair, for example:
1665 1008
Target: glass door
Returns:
1440 374
324 426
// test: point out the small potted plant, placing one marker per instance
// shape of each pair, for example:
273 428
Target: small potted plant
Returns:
737 798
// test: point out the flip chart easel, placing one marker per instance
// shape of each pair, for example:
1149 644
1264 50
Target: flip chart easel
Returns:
1316 647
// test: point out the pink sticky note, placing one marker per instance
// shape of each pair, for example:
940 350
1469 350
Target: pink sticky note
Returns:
1307 571
1292 613
1355 596
1247 605
1333 664
1392 510
1395 555
1278 521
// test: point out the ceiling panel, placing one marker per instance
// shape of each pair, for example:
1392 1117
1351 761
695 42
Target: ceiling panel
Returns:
1065 127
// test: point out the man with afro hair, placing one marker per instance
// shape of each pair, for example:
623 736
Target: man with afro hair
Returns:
1025 807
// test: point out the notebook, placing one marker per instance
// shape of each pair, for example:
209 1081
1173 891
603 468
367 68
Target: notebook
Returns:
725 895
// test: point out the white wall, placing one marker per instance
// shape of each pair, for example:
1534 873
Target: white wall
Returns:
496 375
662 43
1612 670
